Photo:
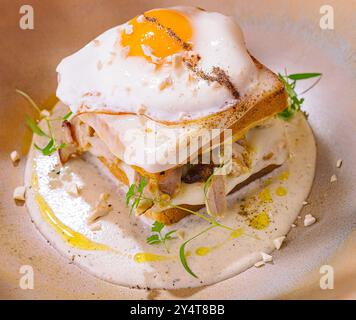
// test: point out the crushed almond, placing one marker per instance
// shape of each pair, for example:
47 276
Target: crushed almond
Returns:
339 163
128 28
147 50
278 242
309 220
268 156
73 189
165 83
333 178
141 18
95 227
15 157
44 113
101 209
304 203
19 193
266 257
259 264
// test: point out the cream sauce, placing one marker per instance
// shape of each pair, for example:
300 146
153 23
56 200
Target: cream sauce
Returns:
258 213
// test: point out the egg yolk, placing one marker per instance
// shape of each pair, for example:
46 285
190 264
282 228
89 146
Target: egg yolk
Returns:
165 32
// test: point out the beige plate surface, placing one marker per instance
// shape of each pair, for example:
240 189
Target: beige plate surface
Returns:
281 34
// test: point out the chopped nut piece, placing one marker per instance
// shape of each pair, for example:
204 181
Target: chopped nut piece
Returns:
95 227
259 264
266 257
309 220
333 178
15 157
268 156
278 242
339 163
45 113
102 208
141 18
55 183
19 193
128 28
304 203
293 225
73 189
147 50
165 83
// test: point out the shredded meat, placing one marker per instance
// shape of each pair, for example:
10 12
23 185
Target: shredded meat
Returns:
169 181
215 197
198 173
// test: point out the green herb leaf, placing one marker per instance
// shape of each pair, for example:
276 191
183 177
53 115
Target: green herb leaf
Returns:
66 117
294 103
48 149
157 238
154 239
167 236
286 114
135 193
130 193
62 145
183 259
29 99
182 255
157 226
34 126
302 76
142 184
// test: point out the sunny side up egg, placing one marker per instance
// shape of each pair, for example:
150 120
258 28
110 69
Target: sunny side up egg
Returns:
170 64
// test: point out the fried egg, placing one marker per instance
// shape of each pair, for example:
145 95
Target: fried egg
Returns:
169 64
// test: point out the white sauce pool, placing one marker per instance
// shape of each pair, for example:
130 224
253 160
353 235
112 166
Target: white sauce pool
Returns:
114 253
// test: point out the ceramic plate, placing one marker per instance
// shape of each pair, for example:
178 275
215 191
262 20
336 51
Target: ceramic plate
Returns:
282 34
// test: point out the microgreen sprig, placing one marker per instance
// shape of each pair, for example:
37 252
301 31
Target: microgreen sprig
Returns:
157 237
134 196
52 144
135 193
294 102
